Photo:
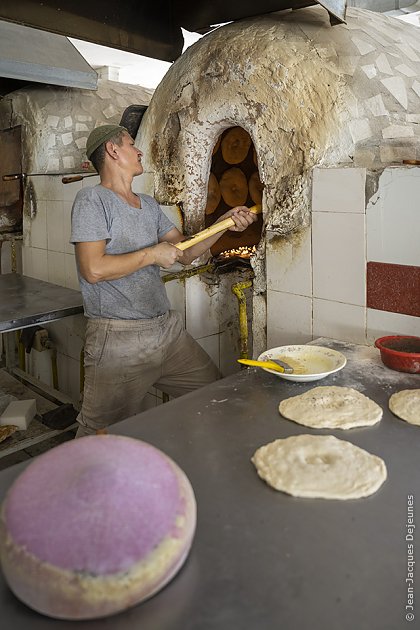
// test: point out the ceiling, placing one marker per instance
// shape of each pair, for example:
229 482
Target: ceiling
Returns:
149 28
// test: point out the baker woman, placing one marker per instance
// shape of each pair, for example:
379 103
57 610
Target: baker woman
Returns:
133 339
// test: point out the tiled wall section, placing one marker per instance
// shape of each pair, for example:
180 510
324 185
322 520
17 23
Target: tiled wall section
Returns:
317 277
393 218
394 288
48 255
212 317
393 243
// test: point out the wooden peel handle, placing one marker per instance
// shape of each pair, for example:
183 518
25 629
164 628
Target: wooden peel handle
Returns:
212 230
70 180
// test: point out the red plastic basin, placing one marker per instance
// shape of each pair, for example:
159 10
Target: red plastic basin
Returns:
400 352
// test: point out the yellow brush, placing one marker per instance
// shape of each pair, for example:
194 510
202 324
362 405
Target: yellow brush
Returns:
271 365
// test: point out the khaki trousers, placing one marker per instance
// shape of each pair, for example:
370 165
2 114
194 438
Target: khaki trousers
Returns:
125 358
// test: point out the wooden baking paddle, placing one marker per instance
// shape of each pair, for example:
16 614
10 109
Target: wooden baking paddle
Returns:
213 229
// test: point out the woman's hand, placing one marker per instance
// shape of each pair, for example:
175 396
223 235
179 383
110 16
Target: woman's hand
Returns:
241 215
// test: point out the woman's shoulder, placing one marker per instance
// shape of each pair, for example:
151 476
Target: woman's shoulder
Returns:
90 193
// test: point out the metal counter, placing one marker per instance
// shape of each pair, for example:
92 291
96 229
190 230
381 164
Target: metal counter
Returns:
27 301
262 560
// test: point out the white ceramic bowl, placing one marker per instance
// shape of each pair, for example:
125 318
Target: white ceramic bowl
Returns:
311 363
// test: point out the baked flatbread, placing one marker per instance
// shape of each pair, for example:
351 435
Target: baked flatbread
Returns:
6 431
331 407
406 405
318 466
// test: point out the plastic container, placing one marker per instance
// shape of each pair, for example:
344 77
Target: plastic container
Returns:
400 352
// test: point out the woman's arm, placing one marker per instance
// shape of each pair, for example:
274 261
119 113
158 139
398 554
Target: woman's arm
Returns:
96 265
242 217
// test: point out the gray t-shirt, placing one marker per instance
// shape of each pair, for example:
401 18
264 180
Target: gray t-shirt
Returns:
100 214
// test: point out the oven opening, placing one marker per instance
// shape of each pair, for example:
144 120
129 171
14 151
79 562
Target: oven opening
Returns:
234 181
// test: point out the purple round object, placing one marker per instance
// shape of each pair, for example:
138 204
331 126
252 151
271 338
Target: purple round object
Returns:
96 507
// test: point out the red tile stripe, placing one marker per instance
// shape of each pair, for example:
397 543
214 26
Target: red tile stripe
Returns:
393 288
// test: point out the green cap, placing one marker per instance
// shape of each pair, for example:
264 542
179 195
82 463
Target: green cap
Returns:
100 135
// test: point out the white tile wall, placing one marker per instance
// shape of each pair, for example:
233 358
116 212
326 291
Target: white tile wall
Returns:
55 226
39 185
37 228
91 181
339 321
70 270
202 314
54 188
393 218
338 190
175 290
27 261
68 247
39 266
229 352
56 268
69 191
339 259
289 263
289 319
39 365
381 323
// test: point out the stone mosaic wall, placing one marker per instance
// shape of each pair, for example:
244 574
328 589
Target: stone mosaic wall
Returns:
57 121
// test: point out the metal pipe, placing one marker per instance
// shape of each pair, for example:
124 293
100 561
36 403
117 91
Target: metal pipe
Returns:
13 255
187 273
21 353
238 290
54 369
49 345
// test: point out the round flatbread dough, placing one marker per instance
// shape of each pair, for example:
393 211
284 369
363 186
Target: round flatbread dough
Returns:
331 407
213 194
235 145
406 405
318 466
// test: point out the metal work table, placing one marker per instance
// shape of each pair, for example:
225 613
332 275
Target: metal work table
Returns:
27 301
262 560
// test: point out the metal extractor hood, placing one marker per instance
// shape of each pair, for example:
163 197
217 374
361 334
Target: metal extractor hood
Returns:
28 54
